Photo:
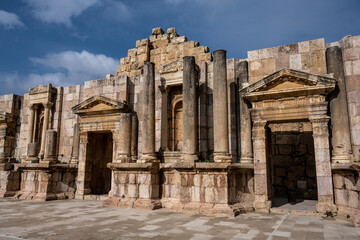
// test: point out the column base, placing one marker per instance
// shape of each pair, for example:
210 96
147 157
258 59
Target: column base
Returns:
326 204
49 159
189 158
74 160
262 206
222 157
343 158
123 159
246 160
32 159
148 158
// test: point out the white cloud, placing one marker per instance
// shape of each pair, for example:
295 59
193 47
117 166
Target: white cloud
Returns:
64 69
10 20
59 11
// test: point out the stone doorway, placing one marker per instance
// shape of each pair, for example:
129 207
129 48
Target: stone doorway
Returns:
292 169
99 154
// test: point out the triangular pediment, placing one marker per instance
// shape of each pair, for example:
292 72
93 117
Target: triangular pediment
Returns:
100 105
289 82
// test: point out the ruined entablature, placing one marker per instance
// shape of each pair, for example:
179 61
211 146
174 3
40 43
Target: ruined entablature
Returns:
42 94
162 49
100 105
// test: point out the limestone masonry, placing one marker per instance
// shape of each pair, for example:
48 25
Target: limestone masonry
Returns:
192 131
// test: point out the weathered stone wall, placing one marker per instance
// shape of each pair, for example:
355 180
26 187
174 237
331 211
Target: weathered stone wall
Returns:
347 193
161 48
9 180
308 56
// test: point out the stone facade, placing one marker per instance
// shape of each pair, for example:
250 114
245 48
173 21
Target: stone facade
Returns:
181 128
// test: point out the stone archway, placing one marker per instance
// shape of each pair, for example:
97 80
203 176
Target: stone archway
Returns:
290 95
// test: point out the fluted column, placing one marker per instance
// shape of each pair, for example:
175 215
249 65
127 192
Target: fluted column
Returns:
261 203
322 162
148 110
124 145
221 130
47 107
246 153
340 126
190 113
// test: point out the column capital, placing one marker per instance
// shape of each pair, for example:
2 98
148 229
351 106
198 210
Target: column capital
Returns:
164 89
320 125
33 106
84 137
48 104
258 130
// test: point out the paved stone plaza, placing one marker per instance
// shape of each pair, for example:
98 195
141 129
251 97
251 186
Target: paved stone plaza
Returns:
75 219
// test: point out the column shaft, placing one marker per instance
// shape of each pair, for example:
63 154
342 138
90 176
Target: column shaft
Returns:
190 111
148 110
322 164
45 127
340 126
246 153
75 146
220 96
164 118
50 147
134 136
124 147
31 124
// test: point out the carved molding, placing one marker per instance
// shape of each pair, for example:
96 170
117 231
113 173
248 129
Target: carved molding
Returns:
259 130
171 67
320 125
84 138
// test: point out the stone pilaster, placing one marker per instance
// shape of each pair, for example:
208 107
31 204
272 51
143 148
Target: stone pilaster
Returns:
124 146
190 113
148 110
134 136
245 143
220 96
261 202
47 107
81 178
50 147
322 163
340 126
75 146
164 118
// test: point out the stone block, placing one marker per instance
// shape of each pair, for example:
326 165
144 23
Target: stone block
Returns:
341 197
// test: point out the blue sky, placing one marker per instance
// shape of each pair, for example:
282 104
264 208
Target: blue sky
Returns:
67 42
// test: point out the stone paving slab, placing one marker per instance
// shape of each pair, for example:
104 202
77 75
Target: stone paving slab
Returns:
85 219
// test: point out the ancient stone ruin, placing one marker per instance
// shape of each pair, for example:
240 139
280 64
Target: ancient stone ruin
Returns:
192 131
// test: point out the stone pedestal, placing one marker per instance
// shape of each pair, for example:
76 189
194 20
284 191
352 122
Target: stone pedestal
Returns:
9 180
135 185
220 96
32 151
245 143
261 202
340 126
322 163
148 117
124 146
50 147
190 112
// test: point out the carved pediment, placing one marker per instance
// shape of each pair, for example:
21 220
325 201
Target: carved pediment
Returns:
289 83
100 105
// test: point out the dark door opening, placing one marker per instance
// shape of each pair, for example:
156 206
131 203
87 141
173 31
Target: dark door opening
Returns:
291 166
99 155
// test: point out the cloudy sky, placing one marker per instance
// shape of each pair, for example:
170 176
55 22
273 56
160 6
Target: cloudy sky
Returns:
67 42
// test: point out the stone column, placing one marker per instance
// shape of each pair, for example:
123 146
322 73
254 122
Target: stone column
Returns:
164 118
246 153
190 113
31 123
261 203
340 126
134 136
124 146
322 163
50 147
2 144
148 110
220 96
47 107
75 146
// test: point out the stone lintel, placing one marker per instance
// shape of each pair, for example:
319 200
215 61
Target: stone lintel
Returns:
46 166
